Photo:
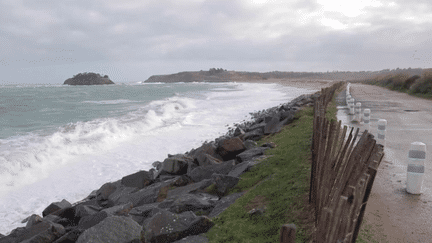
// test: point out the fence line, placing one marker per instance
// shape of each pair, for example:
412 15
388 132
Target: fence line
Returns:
342 174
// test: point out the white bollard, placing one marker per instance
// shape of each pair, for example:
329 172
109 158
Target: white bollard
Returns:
357 112
382 123
348 98
415 170
352 112
366 119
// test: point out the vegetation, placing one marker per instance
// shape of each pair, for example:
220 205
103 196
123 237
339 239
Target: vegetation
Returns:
88 76
417 85
279 182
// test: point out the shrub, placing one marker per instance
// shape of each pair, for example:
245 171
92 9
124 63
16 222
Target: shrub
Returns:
423 85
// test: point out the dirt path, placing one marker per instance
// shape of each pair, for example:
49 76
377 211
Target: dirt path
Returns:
396 215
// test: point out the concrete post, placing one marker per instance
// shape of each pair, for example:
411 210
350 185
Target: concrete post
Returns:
382 123
352 112
415 170
357 112
348 98
366 119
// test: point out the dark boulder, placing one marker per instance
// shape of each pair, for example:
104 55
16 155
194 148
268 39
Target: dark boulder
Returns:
139 179
224 182
191 202
176 165
112 229
229 148
56 206
254 135
272 126
180 226
249 154
44 231
224 203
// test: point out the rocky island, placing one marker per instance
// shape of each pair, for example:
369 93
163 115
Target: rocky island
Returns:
88 79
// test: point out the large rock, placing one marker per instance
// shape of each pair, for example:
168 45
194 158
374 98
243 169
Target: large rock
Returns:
229 148
249 154
191 202
174 193
193 239
254 135
88 79
224 182
205 172
139 179
272 126
206 159
166 226
56 206
224 203
112 229
176 165
44 231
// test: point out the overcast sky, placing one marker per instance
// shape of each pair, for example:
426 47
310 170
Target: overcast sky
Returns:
130 40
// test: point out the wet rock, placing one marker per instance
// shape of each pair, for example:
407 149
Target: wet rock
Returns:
44 231
176 165
139 179
249 154
224 203
254 135
112 229
224 182
250 144
229 148
238 131
165 226
56 206
272 126
190 202
193 239
205 172
206 159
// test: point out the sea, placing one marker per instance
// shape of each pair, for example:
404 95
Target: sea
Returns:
62 142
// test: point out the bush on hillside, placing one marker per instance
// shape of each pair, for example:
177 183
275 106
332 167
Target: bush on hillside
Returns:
423 85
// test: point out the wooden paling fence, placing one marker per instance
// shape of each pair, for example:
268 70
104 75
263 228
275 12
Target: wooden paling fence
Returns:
342 174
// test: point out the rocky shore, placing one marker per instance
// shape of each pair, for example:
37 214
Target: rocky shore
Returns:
173 202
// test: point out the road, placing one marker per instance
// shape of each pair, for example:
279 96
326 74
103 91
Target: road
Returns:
396 215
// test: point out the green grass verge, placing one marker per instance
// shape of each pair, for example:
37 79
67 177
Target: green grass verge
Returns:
281 183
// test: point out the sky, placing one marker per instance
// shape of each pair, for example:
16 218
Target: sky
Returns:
49 41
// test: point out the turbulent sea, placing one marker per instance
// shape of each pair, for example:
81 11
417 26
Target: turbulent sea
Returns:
62 142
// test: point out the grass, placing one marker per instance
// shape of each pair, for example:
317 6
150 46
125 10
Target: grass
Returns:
281 183
419 86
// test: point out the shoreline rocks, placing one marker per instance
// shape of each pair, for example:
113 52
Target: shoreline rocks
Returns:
173 202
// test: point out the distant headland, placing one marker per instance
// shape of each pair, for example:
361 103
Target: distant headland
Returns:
222 75
88 79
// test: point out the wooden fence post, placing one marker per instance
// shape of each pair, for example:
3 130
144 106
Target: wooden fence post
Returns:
288 233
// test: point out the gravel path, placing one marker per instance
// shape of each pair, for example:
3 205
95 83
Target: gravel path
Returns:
396 215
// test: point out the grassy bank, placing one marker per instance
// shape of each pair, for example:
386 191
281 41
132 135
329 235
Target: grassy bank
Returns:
420 86
280 183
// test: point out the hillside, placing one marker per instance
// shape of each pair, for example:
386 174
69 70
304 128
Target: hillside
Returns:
221 75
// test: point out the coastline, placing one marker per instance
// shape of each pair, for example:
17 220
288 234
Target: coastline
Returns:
313 85
310 84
